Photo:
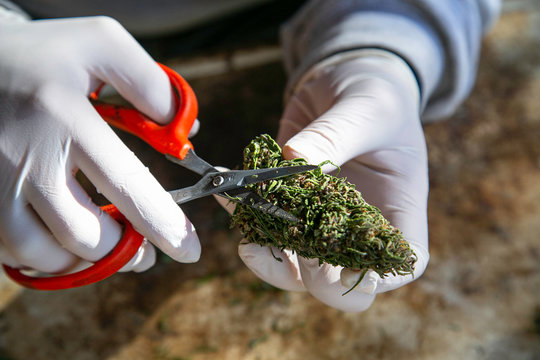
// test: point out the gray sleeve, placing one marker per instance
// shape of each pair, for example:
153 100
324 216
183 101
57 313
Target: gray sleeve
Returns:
439 39
11 12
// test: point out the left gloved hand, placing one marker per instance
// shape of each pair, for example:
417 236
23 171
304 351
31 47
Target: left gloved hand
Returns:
361 111
50 131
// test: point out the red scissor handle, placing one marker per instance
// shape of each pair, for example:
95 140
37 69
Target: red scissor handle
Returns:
102 269
169 139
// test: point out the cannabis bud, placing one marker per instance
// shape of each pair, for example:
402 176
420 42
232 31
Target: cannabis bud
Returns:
336 225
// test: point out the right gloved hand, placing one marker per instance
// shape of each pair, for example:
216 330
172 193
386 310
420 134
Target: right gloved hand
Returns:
361 111
49 130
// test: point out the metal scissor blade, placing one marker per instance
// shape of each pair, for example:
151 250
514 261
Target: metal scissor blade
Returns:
246 197
259 175
230 184
241 195
233 179
226 181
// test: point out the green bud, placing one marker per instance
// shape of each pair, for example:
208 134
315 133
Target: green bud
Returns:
337 226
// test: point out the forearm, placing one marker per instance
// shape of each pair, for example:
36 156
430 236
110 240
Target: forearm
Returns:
440 40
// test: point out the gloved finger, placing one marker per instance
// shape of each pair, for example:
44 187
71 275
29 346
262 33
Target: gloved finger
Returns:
348 128
324 283
126 182
80 225
6 258
360 280
75 221
29 243
134 74
278 268
194 129
143 260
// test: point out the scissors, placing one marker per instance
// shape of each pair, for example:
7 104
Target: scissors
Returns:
172 141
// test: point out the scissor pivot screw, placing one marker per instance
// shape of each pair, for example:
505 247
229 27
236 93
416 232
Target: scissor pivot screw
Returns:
218 180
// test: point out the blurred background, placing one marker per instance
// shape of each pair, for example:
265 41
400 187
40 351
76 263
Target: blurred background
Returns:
478 299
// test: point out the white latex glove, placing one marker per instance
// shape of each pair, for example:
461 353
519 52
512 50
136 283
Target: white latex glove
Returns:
361 111
49 130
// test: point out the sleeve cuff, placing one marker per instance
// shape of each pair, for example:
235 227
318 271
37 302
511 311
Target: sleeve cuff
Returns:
405 37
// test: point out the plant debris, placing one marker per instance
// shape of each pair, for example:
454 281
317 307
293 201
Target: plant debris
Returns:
337 226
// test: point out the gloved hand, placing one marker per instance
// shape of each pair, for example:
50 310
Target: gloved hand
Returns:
361 111
49 130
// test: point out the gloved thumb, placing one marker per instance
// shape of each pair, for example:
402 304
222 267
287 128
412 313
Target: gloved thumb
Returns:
349 109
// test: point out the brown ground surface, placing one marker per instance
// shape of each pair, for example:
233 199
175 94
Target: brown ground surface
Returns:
479 298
